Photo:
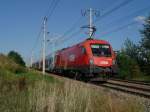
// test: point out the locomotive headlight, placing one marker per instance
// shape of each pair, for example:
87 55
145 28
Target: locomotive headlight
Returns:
114 62
91 61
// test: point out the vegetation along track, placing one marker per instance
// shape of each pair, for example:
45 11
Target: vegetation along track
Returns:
132 87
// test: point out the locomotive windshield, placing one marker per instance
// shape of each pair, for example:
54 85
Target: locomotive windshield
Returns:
101 50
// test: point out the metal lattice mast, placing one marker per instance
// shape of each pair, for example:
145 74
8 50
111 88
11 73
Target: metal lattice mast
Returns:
44 43
31 61
90 13
90 28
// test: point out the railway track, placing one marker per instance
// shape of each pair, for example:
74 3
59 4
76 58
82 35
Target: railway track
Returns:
132 81
132 87
129 86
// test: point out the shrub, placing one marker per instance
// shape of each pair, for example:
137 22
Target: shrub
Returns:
128 67
16 57
10 65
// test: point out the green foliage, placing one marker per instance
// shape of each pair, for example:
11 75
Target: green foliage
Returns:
30 91
10 66
16 90
128 67
145 47
136 58
130 49
16 57
145 42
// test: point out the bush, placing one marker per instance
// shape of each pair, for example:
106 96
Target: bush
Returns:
10 65
16 57
128 67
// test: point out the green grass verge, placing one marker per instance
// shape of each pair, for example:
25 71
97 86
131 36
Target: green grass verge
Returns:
23 90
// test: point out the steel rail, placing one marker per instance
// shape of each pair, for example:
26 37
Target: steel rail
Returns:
127 86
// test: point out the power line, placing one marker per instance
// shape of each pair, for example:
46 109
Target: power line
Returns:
67 38
73 34
51 2
90 13
126 17
124 3
74 25
41 27
45 32
35 44
111 2
37 39
57 41
63 37
109 12
50 11
120 28
53 6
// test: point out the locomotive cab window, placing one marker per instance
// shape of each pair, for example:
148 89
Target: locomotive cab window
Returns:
83 50
101 50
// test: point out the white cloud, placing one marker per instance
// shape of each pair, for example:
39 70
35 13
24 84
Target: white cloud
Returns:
140 19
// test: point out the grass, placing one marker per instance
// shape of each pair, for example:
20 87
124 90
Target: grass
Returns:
29 91
145 78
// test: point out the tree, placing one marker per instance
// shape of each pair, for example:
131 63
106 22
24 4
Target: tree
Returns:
130 49
145 47
16 57
145 42
127 60
128 67
134 51
134 58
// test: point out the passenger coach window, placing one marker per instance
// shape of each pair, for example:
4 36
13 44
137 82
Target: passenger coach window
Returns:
101 50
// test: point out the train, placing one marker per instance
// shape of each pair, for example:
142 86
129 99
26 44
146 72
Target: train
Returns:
90 58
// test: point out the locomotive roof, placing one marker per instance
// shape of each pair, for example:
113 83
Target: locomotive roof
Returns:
96 40
87 40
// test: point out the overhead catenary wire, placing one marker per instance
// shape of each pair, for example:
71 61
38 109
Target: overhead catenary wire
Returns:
120 28
73 27
105 14
45 32
126 17
52 8
54 3
64 36
37 39
51 2
47 15
122 4
72 35
58 41
68 34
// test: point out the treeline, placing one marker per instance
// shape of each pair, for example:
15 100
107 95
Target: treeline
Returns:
16 57
134 59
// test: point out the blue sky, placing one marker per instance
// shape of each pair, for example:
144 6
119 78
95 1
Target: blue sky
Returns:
20 22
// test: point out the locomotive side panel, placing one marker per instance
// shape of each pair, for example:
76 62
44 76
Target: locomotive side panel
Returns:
71 58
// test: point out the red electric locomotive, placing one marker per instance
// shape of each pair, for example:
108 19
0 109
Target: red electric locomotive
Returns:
90 58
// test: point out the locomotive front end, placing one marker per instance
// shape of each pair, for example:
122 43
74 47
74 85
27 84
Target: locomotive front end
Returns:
102 59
